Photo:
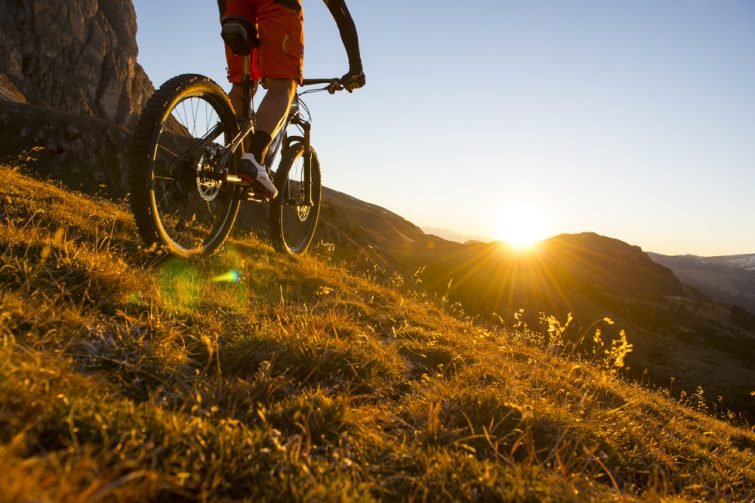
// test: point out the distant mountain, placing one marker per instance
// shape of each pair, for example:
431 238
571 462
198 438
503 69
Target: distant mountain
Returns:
454 236
363 234
491 277
677 331
727 279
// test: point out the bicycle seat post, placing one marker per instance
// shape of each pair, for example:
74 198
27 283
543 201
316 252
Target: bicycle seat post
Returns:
246 98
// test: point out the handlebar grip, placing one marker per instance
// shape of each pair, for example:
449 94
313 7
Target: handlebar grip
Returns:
318 82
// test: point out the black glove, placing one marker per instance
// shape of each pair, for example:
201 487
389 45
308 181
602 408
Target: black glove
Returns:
353 80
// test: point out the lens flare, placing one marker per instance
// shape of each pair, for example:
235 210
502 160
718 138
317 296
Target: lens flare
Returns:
232 276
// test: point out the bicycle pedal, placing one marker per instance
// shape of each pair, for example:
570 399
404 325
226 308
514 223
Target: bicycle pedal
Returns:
249 194
261 191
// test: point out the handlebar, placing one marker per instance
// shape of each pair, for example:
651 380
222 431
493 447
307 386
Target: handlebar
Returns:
317 82
333 85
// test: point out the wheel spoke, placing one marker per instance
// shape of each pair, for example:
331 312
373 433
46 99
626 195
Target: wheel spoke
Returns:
181 223
172 153
165 196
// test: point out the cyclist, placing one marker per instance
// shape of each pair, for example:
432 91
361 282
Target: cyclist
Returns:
278 61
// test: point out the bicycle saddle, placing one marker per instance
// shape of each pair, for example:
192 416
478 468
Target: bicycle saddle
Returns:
239 34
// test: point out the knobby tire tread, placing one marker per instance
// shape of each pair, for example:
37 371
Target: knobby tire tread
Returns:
145 135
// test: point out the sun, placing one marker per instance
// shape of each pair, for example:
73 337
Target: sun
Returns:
521 225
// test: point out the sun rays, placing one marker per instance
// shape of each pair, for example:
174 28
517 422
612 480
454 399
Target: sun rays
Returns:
522 225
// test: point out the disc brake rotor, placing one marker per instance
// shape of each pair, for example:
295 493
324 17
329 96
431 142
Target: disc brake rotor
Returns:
207 185
303 212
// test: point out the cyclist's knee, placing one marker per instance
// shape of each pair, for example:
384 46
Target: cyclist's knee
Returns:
287 86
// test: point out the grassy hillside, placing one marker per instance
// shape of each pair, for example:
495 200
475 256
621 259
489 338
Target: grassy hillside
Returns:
253 376
677 332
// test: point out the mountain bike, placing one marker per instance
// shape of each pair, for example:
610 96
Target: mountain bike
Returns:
184 157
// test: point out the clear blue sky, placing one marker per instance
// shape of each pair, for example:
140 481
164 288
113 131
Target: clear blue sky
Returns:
631 118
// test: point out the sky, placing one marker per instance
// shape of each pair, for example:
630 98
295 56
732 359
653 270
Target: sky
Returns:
634 119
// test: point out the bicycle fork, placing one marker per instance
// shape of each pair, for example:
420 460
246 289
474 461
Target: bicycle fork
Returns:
307 155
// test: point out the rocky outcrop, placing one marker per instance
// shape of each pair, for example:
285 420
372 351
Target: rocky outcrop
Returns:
85 153
76 56
70 89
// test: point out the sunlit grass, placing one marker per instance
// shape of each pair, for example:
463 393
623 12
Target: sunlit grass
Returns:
251 376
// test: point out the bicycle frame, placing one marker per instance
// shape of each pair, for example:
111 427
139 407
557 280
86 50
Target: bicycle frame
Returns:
183 165
281 139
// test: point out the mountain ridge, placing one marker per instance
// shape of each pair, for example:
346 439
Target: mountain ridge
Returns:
589 277
728 279
454 236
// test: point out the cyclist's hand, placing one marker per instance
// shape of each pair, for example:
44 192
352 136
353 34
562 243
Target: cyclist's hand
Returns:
353 80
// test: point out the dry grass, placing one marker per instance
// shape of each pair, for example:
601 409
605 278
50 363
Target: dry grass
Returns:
122 380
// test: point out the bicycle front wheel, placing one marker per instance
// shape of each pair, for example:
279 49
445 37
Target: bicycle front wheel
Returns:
177 164
294 213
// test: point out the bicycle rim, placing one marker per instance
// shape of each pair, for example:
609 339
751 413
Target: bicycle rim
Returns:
294 213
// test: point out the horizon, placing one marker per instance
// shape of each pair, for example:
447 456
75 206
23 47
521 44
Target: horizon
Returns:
450 235
630 120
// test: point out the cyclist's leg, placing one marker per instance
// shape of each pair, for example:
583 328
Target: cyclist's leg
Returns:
280 61
270 115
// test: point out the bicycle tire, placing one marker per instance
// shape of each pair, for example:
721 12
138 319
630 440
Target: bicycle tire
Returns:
216 201
292 222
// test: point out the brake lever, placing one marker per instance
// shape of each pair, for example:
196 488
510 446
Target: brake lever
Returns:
334 87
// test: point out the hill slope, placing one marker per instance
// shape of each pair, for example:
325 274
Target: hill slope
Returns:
121 378
677 332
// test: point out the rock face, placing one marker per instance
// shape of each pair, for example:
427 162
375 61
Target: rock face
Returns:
76 56
70 90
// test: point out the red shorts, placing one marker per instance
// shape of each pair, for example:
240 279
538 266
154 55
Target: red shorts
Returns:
281 30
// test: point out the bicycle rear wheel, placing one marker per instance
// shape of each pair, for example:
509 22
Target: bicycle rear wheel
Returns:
178 196
294 214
